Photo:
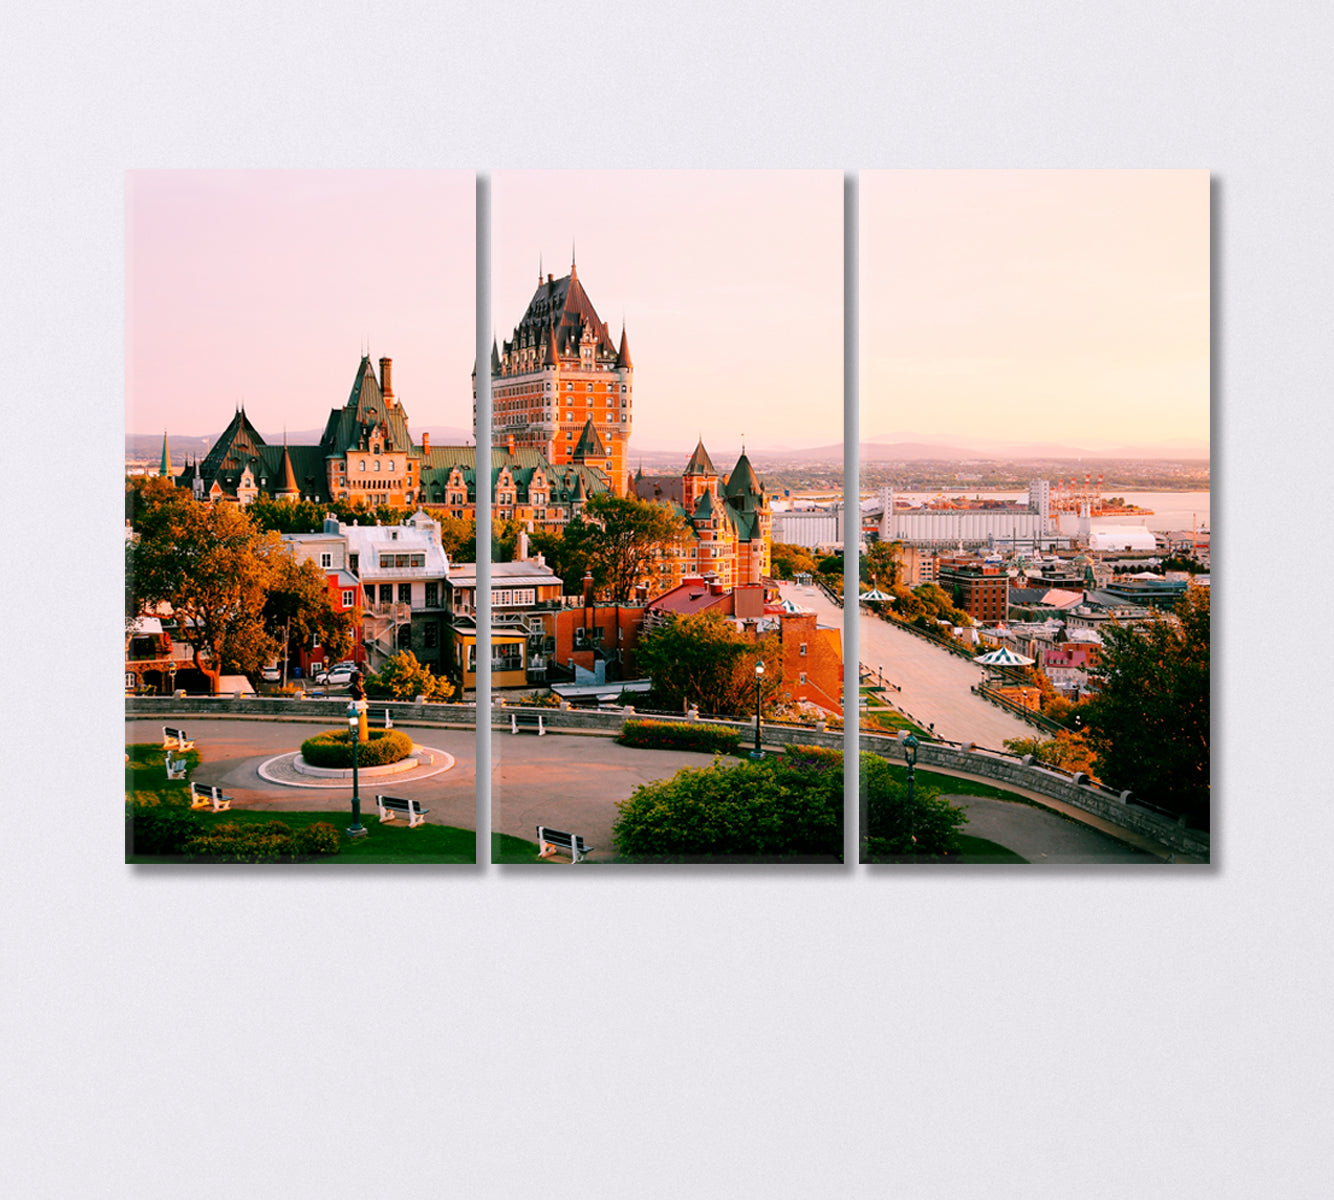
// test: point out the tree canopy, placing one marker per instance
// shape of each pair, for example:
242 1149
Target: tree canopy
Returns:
1150 722
618 539
232 587
704 659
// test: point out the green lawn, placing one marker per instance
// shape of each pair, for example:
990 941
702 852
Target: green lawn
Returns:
972 850
507 849
146 782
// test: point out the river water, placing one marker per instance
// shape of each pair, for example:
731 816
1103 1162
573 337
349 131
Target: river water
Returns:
1171 510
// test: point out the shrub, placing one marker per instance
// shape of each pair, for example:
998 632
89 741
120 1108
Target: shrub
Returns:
159 828
317 839
679 735
267 841
929 828
333 748
774 809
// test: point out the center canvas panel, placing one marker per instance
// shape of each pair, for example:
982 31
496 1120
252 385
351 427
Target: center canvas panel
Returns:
666 384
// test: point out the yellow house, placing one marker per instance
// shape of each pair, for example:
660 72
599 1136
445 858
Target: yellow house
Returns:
509 655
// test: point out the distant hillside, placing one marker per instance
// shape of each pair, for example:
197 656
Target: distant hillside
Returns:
143 447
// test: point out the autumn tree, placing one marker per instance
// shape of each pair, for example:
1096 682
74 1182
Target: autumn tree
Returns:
788 561
402 677
704 659
1149 723
299 611
619 540
211 565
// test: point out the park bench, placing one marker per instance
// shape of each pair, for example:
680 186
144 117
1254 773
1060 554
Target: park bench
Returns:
551 840
175 739
175 767
203 796
527 720
391 806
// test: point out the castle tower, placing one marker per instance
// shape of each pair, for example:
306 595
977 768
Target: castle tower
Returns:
560 372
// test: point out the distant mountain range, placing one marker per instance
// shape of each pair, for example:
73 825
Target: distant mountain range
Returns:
905 447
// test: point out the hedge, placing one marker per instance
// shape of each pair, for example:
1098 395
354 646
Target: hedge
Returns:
679 735
273 841
333 748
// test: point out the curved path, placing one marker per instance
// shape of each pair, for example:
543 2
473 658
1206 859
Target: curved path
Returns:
232 751
566 781
934 684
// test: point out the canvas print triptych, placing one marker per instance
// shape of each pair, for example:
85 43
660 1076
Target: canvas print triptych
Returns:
685 616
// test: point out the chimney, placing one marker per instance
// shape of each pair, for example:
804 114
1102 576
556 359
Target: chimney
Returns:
509 443
588 598
387 379
522 552
426 443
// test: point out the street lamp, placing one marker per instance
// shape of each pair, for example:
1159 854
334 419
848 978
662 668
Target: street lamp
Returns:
356 829
757 753
910 744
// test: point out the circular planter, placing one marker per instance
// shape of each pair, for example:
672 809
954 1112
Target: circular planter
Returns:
302 767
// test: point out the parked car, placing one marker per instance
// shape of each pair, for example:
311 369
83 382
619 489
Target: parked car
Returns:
338 676
273 673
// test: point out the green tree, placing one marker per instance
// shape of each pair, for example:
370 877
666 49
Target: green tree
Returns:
881 564
1067 750
404 678
620 539
1149 723
704 659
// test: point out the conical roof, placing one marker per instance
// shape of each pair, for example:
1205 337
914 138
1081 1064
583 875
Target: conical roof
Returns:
743 483
623 354
700 463
165 466
288 486
589 444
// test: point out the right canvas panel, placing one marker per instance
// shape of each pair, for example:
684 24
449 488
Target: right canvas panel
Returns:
1034 485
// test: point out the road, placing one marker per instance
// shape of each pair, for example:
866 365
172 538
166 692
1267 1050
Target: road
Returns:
935 684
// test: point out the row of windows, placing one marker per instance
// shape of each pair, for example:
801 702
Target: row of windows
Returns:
402 560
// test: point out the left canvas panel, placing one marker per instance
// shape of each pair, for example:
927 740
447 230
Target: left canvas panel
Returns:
299 350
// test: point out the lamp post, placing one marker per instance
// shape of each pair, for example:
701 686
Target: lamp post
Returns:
356 829
757 753
910 745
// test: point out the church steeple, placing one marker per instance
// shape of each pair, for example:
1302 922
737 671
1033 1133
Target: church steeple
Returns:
164 468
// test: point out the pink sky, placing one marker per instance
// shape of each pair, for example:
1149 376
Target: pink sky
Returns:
1067 306
730 284
264 287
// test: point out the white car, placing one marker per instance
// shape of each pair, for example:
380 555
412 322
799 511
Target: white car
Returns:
272 673
338 676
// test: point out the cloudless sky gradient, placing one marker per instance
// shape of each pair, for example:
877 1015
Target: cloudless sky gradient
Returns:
1068 306
730 284
264 287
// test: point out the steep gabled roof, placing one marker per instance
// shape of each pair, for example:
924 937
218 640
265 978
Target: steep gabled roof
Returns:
562 307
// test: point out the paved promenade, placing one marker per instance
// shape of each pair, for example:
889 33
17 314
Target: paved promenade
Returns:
935 683
232 751
567 781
